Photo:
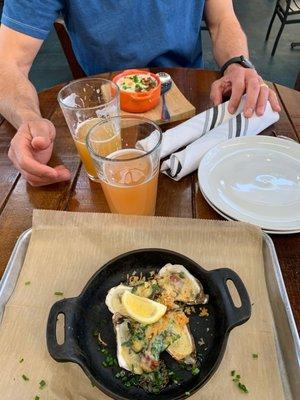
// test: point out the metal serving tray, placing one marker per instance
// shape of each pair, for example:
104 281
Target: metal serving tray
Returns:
287 338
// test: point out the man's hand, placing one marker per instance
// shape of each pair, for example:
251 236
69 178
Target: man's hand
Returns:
238 80
30 151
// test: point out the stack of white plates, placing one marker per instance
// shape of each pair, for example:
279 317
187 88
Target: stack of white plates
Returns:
256 180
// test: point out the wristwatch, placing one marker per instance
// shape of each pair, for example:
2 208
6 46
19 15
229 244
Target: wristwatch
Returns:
243 61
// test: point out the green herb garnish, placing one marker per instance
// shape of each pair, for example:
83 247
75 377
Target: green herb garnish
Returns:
240 385
195 370
25 378
243 388
155 381
37 398
156 289
255 355
42 384
109 360
158 345
27 283
21 360
58 293
120 374
135 79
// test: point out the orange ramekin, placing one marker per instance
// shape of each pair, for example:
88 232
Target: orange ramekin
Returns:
138 102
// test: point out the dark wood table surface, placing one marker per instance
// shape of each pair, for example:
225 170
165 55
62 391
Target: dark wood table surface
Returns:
175 199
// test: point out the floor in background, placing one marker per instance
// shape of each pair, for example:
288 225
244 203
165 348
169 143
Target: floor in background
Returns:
255 17
50 66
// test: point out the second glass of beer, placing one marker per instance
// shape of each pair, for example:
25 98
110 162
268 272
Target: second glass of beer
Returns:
85 103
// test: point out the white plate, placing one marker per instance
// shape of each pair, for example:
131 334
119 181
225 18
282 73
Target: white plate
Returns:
291 232
255 180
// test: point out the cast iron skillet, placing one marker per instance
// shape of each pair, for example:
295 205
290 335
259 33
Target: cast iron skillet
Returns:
88 313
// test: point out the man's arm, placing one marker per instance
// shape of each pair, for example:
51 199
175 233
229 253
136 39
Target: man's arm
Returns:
230 41
32 145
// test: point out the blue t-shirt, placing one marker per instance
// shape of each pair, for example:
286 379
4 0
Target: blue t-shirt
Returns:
112 35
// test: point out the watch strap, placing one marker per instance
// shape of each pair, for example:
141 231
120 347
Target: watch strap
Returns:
236 60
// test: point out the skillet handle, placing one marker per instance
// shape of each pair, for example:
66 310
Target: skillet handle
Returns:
67 351
235 315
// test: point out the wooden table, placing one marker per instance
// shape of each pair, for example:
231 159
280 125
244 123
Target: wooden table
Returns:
176 199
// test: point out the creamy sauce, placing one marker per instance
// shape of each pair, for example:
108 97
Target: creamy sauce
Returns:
137 83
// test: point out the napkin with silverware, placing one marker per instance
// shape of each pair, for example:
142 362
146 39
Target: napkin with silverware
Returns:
187 160
190 130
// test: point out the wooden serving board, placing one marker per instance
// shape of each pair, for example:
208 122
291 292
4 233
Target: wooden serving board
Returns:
179 108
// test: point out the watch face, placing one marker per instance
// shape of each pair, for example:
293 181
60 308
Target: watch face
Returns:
246 63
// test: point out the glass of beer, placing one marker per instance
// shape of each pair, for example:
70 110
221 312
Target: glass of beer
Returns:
85 103
128 175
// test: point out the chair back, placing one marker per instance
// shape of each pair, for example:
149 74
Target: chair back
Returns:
289 7
66 44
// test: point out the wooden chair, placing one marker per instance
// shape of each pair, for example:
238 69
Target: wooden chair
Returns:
286 10
66 44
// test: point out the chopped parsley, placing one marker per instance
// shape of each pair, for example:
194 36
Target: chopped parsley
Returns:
135 79
156 289
27 283
255 355
26 379
127 379
158 345
120 374
21 360
109 360
37 398
243 388
58 293
42 384
195 370
240 385
175 378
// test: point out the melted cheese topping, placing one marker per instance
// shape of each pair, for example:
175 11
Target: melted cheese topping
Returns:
137 83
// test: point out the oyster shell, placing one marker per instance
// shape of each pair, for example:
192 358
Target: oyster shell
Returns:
113 299
179 284
172 333
183 349
127 358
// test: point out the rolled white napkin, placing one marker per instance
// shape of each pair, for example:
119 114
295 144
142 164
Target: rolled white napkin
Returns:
186 161
190 130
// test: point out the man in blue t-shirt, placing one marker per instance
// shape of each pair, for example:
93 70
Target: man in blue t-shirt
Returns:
111 35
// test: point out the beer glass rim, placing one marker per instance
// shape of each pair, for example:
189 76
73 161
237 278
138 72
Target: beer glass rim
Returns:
124 117
88 78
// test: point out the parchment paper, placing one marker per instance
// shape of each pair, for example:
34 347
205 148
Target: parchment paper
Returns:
67 248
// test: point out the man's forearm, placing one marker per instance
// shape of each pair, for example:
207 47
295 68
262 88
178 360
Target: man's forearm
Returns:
228 40
18 97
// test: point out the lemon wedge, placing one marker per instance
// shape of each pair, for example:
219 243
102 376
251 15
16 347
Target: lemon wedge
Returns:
141 309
